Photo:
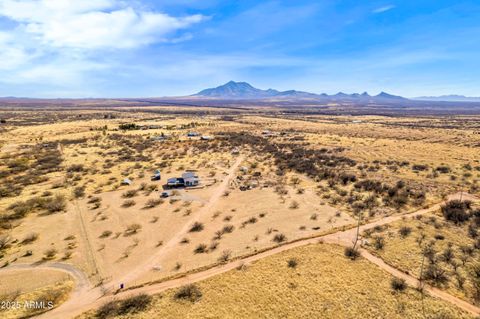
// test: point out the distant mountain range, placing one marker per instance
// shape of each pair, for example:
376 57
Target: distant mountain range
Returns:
449 98
243 90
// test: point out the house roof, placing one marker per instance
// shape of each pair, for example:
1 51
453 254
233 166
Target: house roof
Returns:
189 175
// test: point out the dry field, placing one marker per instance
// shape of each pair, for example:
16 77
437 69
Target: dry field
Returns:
308 282
265 180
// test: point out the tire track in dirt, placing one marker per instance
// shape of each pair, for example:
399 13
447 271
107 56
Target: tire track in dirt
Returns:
91 258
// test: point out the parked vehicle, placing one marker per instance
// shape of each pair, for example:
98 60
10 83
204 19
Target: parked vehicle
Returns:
156 176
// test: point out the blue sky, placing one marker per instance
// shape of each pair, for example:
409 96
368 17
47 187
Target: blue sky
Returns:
113 48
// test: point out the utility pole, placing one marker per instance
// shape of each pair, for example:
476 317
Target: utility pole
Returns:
358 230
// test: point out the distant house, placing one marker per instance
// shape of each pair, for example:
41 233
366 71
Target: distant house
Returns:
162 137
193 134
190 179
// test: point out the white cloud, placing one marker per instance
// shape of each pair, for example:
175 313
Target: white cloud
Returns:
92 24
11 56
62 44
384 8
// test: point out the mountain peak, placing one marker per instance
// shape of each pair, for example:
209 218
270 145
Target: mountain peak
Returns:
231 89
386 95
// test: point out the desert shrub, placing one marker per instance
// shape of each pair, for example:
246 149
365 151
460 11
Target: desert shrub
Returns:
430 253
189 293
251 220
151 203
351 253
225 256
76 168
196 227
419 167
30 238
435 274
456 211
292 263
200 249
94 200
448 254
79 191
279 238
213 245
128 203
378 242
5 241
294 205
472 231
47 193
21 209
443 169
107 310
404 231
228 229
347 178
50 253
134 304
369 185
398 284
55 204
128 126
105 234
130 193
400 199
133 229
474 275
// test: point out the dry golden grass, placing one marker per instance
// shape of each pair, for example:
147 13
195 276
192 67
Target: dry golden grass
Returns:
323 284
30 303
